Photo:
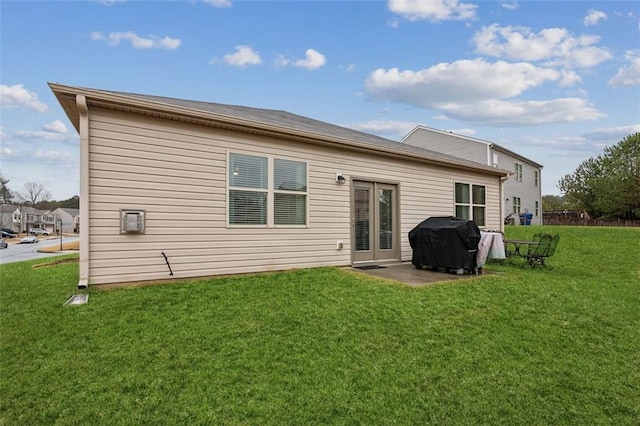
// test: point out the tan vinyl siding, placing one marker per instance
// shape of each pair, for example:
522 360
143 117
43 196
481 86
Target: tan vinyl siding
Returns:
450 144
176 172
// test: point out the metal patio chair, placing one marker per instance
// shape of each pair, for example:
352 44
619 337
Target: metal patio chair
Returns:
537 253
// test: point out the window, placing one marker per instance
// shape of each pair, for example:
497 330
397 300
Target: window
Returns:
290 192
470 202
518 172
537 208
536 177
247 190
253 189
516 205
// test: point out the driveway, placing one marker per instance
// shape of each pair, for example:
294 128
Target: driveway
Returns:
19 252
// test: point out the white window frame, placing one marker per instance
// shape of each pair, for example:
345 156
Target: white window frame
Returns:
536 177
518 170
537 208
517 205
471 204
270 191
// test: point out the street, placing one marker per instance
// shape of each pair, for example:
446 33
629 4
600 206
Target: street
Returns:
21 252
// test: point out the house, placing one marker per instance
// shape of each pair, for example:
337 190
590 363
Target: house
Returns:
35 218
10 217
70 219
22 218
173 188
523 189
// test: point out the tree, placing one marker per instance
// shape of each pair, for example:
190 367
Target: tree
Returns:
35 193
608 185
554 203
5 193
622 161
71 203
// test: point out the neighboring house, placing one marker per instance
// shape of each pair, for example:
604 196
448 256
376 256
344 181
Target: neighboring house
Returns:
34 218
10 217
70 219
221 189
21 218
522 191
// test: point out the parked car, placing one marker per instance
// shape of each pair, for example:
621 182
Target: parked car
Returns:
7 234
29 239
38 231
3 243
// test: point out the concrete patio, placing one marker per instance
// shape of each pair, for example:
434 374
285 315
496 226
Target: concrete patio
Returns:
407 274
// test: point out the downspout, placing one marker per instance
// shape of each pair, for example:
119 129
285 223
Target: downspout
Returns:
540 211
503 212
83 129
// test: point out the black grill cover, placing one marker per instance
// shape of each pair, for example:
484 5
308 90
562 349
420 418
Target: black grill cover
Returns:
445 242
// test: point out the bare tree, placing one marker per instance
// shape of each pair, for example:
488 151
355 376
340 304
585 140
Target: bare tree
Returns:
35 193
5 193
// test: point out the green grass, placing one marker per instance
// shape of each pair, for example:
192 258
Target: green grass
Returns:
328 346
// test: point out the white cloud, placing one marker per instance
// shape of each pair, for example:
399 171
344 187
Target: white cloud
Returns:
244 56
612 134
382 127
218 3
281 61
460 81
554 45
433 10
5 152
630 74
509 6
463 132
53 156
479 91
524 113
42 135
137 42
110 2
312 61
56 126
17 96
55 131
593 17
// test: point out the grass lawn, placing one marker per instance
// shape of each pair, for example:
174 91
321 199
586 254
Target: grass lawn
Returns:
330 346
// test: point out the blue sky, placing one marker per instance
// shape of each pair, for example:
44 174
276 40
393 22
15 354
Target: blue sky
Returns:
556 81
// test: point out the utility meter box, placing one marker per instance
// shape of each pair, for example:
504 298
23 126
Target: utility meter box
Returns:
132 221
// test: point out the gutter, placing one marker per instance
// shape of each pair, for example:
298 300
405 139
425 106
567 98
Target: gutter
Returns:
83 130
161 108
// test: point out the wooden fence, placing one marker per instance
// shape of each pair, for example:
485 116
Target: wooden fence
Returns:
589 222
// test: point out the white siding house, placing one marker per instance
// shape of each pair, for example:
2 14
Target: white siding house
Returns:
33 218
10 217
523 189
70 219
222 189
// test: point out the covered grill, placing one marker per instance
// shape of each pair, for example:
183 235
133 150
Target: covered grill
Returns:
445 242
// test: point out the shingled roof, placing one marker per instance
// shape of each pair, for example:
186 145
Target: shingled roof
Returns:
282 121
